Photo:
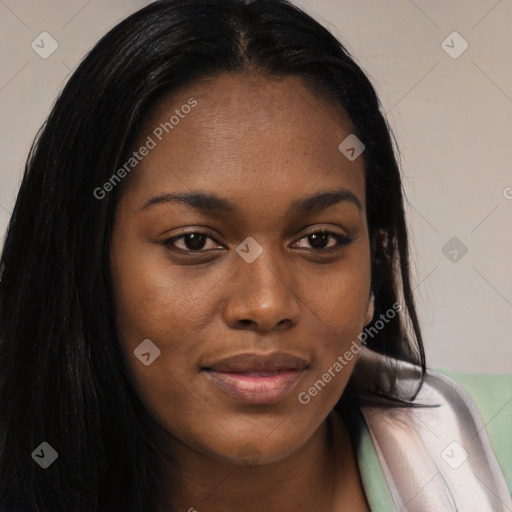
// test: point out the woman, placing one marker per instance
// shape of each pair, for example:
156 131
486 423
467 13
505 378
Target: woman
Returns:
205 300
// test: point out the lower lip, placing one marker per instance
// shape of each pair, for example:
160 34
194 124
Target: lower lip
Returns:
254 388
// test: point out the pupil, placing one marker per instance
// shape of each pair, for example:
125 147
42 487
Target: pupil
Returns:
319 241
195 241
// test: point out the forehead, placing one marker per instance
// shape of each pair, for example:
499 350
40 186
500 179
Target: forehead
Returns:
247 135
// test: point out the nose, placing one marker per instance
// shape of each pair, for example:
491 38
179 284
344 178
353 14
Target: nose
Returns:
261 295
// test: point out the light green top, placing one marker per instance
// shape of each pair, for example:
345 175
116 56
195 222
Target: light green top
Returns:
493 397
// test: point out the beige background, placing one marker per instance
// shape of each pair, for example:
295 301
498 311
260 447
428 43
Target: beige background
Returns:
452 118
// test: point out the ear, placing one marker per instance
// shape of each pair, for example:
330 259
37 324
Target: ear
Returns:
371 309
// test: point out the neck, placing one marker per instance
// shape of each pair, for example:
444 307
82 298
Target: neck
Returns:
313 477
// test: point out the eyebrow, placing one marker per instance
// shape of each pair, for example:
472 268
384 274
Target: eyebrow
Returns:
211 203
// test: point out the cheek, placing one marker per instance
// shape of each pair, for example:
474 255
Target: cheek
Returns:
153 298
151 318
149 307
338 306
338 297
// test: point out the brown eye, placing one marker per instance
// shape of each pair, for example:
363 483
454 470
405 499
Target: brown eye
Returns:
190 242
319 240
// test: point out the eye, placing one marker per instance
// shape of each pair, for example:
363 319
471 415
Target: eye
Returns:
190 242
319 240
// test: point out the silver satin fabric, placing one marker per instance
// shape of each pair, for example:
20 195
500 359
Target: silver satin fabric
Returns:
423 451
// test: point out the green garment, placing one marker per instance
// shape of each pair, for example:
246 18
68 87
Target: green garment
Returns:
493 397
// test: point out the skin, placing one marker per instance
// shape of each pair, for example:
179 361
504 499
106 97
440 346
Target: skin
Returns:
262 144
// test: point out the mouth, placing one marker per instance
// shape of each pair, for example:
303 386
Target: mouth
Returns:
257 379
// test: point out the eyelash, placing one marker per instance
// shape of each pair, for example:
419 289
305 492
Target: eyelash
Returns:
341 241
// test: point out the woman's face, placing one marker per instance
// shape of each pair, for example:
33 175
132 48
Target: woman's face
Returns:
246 308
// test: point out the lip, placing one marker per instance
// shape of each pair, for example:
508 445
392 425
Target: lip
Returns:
257 379
251 362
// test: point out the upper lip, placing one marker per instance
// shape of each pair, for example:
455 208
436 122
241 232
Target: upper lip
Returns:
249 362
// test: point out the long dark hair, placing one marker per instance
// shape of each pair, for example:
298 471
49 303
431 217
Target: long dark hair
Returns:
62 379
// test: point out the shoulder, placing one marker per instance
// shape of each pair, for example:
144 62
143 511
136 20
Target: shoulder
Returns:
491 396
440 449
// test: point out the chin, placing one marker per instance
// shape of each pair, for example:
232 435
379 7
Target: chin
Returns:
254 453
